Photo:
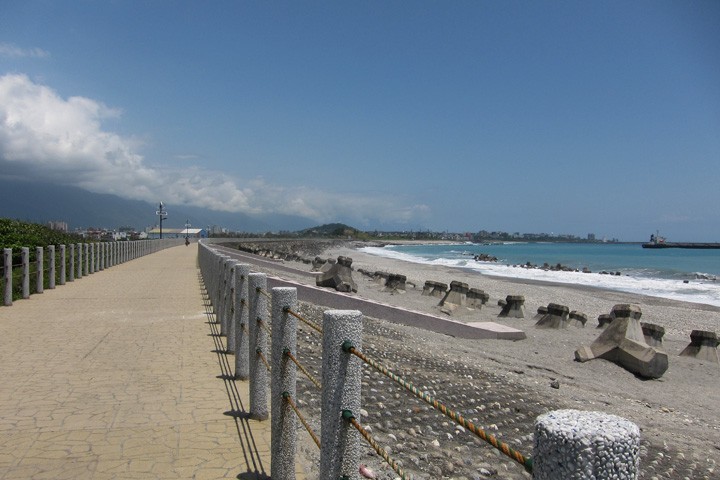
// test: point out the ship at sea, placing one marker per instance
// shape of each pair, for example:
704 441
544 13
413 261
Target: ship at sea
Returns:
656 241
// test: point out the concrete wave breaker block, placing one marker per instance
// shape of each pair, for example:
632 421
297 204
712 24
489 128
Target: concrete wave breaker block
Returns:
623 343
703 346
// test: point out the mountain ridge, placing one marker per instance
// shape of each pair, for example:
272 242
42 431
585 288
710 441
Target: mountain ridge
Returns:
44 202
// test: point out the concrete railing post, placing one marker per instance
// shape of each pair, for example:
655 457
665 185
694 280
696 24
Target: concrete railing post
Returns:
25 260
39 269
92 258
575 445
86 267
283 382
71 267
341 381
79 267
61 280
101 256
231 306
7 276
242 332
51 265
258 346
217 289
226 296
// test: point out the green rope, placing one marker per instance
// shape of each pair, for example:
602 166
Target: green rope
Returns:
491 439
348 415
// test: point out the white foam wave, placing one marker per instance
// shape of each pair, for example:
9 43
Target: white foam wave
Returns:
696 291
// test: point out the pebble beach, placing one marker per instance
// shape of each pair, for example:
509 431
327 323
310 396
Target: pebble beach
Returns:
503 386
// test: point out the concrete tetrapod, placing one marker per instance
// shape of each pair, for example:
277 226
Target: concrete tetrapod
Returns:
339 276
703 346
623 343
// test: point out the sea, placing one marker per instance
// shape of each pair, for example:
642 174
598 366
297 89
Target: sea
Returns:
679 274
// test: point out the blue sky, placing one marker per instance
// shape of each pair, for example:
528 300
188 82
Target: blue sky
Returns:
564 117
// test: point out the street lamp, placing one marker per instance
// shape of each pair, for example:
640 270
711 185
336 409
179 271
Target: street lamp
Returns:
163 215
187 232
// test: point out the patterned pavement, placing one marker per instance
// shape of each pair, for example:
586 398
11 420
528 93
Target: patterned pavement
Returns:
119 375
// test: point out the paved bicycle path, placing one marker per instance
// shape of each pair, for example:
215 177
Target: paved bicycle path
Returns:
117 375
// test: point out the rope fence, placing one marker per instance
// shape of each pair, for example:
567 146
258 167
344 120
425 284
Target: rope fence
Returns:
54 264
290 402
456 417
348 415
342 361
302 369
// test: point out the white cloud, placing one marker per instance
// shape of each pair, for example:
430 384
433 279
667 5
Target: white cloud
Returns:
12 51
46 137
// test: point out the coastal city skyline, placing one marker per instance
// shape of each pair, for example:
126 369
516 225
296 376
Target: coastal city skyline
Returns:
521 117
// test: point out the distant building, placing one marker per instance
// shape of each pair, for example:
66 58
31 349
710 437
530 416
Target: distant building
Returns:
57 225
591 237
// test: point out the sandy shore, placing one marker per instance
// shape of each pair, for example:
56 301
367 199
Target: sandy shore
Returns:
503 386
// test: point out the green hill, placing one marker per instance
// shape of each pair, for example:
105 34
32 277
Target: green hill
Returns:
332 230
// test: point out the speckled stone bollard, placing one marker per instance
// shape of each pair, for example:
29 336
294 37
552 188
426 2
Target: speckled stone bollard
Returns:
92 258
25 260
79 266
225 296
231 307
258 345
61 279
71 272
703 346
341 380
573 444
51 266
39 267
86 266
242 332
283 382
7 276
514 307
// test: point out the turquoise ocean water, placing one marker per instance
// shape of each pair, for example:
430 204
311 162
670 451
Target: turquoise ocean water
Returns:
680 274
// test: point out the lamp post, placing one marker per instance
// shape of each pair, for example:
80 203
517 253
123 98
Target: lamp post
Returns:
163 215
187 232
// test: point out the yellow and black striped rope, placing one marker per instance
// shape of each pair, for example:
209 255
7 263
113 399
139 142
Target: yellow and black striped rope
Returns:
489 438
289 399
348 415
307 374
